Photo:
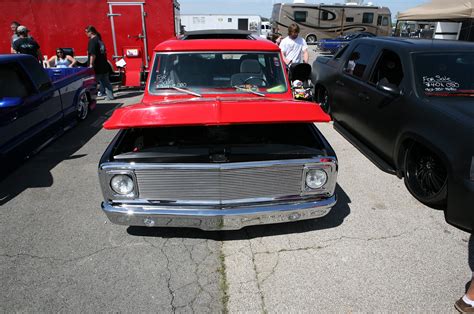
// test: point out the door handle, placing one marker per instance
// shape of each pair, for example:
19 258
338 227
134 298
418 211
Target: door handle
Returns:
14 117
139 36
340 83
363 96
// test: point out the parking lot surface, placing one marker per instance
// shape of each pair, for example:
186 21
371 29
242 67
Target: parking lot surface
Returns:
377 250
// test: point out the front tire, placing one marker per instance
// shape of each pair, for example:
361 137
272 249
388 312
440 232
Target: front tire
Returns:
311 39
425 176
323 99
82 107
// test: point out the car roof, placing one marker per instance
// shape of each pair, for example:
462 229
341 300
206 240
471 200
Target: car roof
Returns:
217 40
411 45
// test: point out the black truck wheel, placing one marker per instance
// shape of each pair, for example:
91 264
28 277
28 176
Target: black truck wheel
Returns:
323 99
425 176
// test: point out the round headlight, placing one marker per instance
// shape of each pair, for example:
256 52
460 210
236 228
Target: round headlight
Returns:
316 178
122 184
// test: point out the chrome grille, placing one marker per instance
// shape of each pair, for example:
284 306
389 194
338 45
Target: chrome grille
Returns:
219 184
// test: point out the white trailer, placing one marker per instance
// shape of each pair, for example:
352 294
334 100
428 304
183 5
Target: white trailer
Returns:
194 22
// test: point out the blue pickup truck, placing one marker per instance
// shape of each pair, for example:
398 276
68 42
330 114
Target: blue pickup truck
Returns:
37 105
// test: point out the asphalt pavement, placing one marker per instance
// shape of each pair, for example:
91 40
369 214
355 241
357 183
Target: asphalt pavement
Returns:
377 250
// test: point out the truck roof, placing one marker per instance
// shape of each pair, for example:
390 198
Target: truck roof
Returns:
13 57
433 45
254 44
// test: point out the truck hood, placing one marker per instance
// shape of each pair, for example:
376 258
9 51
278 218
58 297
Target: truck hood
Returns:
215 111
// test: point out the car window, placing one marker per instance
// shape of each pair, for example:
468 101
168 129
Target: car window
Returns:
12 81
38 74
340 52
368 18
359 59
300 16
444 74
388 70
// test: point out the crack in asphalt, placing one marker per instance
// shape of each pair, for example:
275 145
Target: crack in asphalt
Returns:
168 280
319 247
260 291
63 260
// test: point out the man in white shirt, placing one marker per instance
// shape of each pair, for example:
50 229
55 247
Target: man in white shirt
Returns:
293 47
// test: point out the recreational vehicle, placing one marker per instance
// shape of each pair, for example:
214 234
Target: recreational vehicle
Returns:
318 21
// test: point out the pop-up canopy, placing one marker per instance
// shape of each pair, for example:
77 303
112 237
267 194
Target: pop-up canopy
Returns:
440 10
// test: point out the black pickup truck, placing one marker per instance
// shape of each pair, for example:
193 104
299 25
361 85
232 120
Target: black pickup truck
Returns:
408 105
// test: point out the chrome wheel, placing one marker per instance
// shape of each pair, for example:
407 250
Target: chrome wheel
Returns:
82 107
425 176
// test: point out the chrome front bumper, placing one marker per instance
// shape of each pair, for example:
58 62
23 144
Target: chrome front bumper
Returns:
216 219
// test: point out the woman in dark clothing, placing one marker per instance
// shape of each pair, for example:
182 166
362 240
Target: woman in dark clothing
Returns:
98 61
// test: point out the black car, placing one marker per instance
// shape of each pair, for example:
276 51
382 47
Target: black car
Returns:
409 106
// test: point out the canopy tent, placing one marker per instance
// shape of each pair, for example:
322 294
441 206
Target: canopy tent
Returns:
440 10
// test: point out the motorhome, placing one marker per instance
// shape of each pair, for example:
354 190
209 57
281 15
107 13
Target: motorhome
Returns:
318 21
193 22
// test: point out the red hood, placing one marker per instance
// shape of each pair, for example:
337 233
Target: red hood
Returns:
205 111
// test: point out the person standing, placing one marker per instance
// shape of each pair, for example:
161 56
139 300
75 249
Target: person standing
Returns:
25 44
98 61
466 303
294 47
13 26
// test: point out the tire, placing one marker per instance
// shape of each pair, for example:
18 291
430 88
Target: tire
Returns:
311 39
82 108
425 176
323 98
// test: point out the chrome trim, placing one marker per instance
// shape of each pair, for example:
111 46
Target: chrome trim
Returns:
233 165
328 188
212 219
112 26
107 190
328 164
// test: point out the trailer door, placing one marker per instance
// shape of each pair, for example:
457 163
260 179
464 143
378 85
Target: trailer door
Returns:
243 24
127 20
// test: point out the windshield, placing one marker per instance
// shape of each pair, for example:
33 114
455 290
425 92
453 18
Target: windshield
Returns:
446 74
218 73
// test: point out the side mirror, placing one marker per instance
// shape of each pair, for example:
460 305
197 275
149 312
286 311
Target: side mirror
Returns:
390 88
7 102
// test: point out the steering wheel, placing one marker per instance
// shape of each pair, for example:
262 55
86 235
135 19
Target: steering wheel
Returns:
255 78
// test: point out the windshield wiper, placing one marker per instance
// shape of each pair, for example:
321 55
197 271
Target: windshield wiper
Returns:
187 91
249 90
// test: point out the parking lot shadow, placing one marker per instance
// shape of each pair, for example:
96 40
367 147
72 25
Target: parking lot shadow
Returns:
335 218
36 171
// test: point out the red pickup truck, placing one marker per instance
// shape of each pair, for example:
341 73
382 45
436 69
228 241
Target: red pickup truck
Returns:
217 142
